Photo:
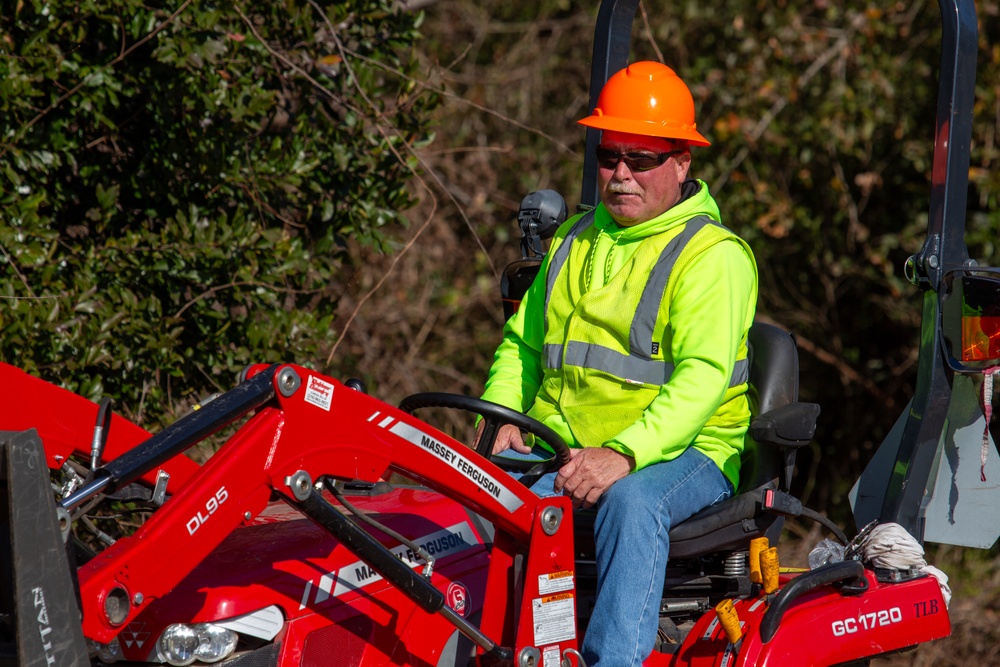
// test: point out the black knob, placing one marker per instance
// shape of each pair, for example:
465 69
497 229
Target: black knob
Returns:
357 385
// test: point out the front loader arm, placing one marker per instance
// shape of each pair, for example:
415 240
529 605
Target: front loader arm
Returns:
306 427
65 423
230 488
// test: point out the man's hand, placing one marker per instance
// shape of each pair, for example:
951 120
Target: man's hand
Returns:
508 437
590 472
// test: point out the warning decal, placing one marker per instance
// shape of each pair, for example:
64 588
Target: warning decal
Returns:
550 656
553 618
457 597
556 582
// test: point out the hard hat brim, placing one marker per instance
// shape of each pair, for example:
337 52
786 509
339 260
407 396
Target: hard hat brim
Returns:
667 130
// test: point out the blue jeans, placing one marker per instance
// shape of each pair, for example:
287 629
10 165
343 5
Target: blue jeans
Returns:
631 532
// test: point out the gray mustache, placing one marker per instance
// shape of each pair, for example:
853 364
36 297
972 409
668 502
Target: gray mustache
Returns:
621 189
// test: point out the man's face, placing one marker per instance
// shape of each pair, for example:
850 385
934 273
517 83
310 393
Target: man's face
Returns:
632 197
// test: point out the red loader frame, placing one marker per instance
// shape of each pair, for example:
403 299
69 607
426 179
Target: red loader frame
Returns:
305 427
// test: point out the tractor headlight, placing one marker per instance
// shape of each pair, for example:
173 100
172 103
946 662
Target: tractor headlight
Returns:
214 642
181 644
106 653
177 645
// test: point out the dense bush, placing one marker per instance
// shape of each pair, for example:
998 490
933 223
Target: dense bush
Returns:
176 184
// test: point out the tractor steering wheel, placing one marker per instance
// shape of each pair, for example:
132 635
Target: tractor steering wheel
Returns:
494 416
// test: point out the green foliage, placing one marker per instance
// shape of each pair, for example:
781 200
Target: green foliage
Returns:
176 190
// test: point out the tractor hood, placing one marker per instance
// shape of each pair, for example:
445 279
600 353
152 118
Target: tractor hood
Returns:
282 562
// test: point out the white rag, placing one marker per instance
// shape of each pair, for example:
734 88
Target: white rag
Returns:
889 546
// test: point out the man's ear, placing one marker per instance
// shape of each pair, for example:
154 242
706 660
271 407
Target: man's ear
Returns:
683 164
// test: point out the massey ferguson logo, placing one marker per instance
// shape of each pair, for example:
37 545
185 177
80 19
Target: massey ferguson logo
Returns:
134 634
44 629
353 577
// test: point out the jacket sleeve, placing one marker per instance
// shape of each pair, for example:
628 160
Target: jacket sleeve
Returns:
516 373
712 308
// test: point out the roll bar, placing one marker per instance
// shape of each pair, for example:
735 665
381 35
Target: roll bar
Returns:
943 248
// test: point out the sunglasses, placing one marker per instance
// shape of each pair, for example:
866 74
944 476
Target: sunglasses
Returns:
638 161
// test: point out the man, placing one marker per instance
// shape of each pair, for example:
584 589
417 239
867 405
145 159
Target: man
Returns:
631 345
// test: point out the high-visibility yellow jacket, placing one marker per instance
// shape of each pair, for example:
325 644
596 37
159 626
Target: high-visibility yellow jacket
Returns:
634 338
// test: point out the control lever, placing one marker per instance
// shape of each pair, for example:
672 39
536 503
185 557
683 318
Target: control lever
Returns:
101 429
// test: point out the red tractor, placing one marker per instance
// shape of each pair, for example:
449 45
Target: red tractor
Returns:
288 547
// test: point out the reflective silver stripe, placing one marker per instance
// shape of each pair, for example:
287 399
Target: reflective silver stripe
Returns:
741 372
638 365
597 357
640 337
559 258
552 356
628 367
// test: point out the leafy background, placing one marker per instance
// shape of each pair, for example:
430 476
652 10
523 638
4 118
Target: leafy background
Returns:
178 187
187 189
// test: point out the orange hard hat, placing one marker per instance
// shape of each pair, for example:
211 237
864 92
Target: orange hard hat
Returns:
647 98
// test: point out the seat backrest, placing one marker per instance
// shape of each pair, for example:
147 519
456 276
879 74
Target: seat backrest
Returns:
731 524
774 382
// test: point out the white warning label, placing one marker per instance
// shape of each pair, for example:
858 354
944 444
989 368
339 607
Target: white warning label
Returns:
550 656
557 582
553 618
